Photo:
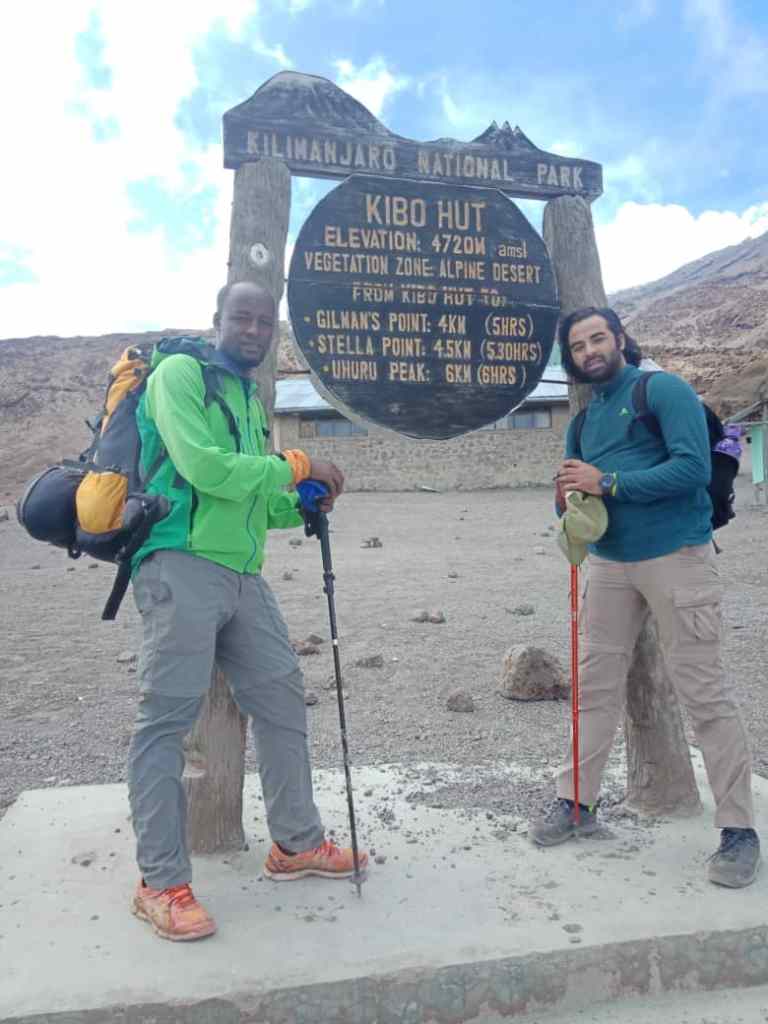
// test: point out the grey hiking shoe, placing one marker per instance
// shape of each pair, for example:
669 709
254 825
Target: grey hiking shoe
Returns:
557 824
736 861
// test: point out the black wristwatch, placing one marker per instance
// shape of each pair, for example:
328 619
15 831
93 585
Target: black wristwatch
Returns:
608 484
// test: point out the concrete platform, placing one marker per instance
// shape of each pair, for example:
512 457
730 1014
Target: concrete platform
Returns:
465 920
728 1006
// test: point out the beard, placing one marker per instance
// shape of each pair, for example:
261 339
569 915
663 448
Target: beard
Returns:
252 362
600 370
248 360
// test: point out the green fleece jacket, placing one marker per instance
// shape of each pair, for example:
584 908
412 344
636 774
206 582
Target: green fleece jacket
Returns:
223 501
661 502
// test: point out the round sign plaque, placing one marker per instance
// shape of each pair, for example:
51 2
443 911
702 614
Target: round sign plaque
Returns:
427 308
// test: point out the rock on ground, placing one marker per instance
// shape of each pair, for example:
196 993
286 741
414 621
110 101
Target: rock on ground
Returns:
371 661
522 609
532 674
302 648
460 701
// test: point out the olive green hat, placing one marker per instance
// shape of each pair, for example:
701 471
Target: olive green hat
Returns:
584 521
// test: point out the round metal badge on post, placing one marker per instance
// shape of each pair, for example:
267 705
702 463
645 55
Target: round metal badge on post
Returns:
259 255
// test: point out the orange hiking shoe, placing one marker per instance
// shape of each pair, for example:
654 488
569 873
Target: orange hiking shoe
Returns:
326 860
174 913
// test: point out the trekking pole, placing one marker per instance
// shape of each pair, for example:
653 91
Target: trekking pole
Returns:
316 524
575 686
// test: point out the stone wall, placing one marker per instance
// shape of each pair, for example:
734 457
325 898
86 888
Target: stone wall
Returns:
385 461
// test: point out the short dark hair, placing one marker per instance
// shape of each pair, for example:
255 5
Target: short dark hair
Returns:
223 293
632 352
221 297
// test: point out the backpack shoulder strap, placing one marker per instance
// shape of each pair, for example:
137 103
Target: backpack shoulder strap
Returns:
213 394
715 427
578 427
640 401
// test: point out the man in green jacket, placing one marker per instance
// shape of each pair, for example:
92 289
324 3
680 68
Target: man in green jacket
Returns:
198 587
656 553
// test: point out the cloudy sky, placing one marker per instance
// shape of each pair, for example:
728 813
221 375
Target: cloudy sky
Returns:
114 203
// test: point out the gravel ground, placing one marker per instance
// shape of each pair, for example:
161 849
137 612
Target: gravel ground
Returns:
67 694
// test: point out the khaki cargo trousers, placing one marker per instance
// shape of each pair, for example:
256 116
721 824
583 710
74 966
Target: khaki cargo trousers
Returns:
684 593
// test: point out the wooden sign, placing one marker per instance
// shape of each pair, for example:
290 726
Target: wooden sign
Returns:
320 131
430 309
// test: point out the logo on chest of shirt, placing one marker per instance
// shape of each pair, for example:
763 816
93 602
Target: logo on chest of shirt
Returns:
625 412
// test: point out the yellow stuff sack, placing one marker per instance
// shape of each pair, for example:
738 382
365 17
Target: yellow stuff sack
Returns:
100 501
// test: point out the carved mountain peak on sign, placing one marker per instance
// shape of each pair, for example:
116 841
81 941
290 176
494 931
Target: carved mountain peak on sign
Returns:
506 137
320 131
291 96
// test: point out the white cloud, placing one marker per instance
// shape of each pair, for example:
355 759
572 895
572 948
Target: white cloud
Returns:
277 53
455 114
64 202
372 84
647 241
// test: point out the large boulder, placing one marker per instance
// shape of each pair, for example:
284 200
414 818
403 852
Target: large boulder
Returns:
532 674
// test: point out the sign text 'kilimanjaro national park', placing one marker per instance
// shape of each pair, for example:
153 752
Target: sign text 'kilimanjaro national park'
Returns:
320 131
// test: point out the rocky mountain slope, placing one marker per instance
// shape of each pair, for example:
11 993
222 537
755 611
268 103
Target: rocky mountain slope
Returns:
708 321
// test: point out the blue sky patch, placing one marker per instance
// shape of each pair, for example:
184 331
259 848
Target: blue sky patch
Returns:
13 268
89 50
105 129
228 72
186 218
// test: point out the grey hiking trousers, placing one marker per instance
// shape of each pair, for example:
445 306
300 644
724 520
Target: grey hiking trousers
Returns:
195 612
684 593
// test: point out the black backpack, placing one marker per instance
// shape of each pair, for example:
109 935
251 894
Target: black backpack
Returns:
724 467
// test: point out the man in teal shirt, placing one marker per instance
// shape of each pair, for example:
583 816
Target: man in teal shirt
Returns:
656 553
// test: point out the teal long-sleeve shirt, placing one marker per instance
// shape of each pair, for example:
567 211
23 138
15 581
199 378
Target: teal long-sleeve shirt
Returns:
661 502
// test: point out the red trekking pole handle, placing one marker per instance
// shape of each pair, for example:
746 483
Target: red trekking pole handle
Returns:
575 685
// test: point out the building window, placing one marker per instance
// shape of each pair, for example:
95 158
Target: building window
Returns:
524 419
533 419
329 426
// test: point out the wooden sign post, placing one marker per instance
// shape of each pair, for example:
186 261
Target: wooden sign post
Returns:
215 750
